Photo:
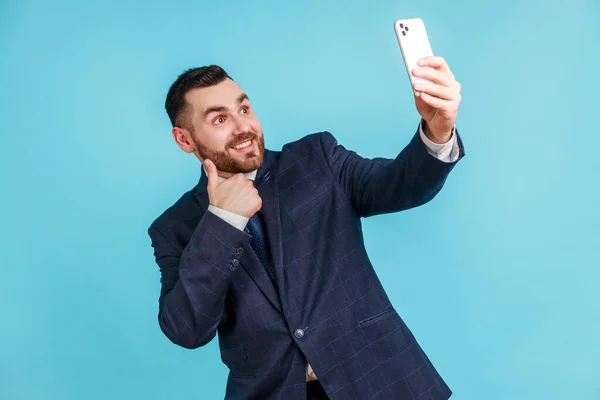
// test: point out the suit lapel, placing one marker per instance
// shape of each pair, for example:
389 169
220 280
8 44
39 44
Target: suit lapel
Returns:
266 186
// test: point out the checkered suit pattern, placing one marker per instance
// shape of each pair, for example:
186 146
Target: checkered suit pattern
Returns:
329 306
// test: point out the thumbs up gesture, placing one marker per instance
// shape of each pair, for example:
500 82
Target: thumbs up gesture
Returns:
237 194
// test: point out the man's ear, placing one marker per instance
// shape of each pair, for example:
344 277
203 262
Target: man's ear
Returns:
183 139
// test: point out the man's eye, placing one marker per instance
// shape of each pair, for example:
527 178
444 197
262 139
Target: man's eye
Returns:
219 120
244 110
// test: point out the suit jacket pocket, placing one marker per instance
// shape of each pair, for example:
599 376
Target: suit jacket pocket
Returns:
386 337
380 324
376 317
236 360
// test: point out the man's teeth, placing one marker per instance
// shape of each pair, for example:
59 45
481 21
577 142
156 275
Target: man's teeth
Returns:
242 145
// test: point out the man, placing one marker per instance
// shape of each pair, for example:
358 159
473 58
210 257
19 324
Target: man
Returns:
267 249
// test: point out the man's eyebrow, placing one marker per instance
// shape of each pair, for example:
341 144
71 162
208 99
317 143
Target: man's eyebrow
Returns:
213 109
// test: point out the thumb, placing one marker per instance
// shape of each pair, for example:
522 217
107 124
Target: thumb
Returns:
211 172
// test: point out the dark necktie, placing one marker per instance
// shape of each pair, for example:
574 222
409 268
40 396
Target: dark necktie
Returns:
259 244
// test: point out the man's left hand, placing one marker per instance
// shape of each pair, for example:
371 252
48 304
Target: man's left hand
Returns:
437 102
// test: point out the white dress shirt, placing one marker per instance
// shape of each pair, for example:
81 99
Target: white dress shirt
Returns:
446 152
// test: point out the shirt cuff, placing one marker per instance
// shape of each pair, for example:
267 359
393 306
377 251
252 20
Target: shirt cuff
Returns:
446 152
236 220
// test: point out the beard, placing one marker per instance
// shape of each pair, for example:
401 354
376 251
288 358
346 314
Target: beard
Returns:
225 163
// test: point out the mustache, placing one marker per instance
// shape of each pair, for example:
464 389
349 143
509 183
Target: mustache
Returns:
241 138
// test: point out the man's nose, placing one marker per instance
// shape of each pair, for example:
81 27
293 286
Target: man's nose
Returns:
240 125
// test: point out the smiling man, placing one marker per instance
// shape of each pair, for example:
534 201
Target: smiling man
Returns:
267 249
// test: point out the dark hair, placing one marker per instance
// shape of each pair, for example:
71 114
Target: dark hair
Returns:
176 105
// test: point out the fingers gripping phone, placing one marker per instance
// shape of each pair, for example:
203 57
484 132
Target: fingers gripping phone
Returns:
414 44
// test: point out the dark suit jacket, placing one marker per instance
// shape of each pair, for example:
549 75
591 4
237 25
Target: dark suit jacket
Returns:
314 194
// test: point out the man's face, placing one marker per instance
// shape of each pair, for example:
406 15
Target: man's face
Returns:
225 128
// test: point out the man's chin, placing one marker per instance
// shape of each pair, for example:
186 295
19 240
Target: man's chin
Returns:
255 164
250 160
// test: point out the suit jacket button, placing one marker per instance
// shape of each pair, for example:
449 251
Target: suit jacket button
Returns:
232 267
235 262
239 251
299 333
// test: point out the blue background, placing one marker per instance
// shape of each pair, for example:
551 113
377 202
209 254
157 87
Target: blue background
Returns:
497 277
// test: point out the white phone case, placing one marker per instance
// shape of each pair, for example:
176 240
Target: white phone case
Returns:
414 44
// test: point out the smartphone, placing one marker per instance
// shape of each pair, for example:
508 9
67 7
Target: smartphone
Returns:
414 44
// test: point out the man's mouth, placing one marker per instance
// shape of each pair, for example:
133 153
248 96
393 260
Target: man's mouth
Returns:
244 146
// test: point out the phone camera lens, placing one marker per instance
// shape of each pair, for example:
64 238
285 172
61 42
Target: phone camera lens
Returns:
406 29
403 33
401 26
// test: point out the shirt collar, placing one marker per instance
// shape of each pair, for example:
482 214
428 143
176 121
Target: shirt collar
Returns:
249 175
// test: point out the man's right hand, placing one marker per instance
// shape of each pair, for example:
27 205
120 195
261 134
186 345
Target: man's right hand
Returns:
237 194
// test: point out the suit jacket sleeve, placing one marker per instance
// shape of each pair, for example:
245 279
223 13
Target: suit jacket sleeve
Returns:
380 185
195 280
